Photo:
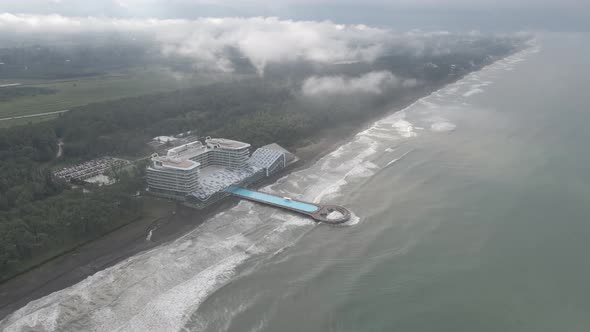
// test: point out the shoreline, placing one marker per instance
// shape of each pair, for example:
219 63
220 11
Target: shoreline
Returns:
77 264
118 245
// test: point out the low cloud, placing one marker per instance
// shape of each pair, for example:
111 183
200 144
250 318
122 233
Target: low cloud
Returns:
214 43
209 40
373 83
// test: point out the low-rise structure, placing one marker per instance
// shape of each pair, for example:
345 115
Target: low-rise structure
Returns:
90 169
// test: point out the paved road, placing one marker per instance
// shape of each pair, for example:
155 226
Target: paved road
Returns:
33 115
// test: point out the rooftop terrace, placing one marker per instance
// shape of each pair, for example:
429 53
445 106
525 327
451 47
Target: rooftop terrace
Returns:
187 151
179 164
226 143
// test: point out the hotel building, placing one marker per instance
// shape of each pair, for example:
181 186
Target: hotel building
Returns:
199 173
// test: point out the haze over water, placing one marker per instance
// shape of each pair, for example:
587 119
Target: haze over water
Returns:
471 214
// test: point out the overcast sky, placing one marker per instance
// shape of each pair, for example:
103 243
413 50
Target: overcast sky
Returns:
499 15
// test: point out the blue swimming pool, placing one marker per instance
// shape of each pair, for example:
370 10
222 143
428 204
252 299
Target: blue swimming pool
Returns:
273 199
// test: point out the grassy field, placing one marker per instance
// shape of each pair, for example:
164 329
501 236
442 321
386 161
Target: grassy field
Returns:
83 91
23 121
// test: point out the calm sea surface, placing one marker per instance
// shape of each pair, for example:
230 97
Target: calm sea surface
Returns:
471 213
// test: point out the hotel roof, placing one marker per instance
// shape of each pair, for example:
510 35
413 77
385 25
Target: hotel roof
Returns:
226 143
187 151
193 149
175 163
180 164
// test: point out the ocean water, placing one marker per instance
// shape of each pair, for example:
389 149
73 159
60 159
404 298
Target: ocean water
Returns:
471 213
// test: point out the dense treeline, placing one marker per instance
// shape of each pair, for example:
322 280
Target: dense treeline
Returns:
38 213
124 126
23 151
35 228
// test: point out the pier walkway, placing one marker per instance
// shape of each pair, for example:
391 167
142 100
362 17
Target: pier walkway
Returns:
331 214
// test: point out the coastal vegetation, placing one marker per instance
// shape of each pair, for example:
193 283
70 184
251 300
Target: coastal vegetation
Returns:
39 213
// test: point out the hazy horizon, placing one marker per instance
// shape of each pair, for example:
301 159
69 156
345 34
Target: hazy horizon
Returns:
501 16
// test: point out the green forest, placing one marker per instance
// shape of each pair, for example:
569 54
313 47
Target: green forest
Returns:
39 214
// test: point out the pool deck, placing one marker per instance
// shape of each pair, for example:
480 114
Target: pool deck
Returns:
318 212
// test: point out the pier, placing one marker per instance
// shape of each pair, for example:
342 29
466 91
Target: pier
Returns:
330 214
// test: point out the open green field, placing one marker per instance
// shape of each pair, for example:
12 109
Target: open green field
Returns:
23 121
83 91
